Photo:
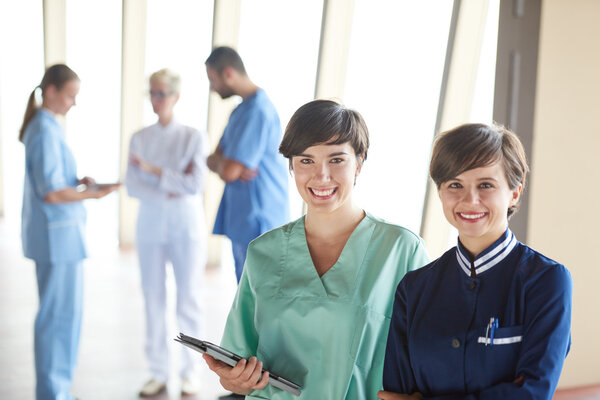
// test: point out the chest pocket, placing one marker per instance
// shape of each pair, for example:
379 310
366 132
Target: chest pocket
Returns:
495 362
503 336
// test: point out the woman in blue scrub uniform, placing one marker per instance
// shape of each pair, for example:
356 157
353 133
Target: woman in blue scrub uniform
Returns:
52 230
490 318
315 299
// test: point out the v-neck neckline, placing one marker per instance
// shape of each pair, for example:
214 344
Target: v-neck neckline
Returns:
340 279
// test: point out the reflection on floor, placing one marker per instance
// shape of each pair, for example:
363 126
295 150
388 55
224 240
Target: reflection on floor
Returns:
582 393
111 360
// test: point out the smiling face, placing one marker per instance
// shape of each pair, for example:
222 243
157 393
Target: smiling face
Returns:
476 203
325 175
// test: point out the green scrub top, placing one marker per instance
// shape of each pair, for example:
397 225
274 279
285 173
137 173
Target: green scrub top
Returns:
327 334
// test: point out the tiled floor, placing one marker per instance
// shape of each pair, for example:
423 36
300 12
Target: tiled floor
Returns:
111 361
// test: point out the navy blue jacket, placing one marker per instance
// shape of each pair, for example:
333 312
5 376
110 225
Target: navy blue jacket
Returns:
457 337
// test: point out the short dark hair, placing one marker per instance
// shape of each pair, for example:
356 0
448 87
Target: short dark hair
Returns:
324 121
224 56
471 146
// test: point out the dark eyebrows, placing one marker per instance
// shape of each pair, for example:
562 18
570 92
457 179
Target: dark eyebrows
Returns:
339 153
485 178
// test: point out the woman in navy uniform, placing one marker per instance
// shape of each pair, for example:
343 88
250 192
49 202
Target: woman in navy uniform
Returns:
490 318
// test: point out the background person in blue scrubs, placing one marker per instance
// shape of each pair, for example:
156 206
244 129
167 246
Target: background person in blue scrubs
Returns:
255 198
490 318
53 230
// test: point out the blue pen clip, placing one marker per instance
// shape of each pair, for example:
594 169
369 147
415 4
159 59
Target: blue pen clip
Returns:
489 332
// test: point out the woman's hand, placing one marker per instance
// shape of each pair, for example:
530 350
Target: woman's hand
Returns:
87 181
383 395
97 192
144 165
245 377
71 194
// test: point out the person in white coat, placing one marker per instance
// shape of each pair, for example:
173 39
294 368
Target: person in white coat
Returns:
166 172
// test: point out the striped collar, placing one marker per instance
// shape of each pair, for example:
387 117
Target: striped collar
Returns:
491 256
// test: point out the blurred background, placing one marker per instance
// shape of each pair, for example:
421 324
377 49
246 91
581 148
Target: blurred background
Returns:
411 68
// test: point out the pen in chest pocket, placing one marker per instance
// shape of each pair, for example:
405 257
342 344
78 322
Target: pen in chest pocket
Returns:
490 330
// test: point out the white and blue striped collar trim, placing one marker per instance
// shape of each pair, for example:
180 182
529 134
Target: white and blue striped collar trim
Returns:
489 257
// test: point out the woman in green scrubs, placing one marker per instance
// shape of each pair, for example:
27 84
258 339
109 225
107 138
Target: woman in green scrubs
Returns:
315 299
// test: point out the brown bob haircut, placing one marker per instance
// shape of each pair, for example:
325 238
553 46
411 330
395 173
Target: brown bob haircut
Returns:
471 146
324 121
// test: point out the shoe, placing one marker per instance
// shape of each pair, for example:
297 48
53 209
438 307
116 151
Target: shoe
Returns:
152 388
232 396
189 386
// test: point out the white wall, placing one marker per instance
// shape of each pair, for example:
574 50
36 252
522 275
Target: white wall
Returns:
564 214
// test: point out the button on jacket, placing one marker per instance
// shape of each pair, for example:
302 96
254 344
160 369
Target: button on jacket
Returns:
442 342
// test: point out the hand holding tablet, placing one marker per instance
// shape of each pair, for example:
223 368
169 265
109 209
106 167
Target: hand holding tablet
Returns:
98 187
104 186
232 359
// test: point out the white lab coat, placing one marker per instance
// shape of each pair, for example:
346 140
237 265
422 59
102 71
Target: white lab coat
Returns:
171 228
170 206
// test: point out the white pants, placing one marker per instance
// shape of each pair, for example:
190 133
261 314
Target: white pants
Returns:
188 259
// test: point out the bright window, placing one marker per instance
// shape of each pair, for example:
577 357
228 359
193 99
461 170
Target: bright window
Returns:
21 70
93 126
279 43
178 37
395 67
483 98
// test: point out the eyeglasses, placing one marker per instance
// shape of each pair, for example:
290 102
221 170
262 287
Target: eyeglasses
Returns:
159 95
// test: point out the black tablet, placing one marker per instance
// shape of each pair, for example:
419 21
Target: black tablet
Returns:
229 358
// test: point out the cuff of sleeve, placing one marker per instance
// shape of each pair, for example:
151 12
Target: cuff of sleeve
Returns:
243 159
51 187
165 178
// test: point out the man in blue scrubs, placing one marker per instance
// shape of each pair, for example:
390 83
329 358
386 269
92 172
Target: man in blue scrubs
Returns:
255 198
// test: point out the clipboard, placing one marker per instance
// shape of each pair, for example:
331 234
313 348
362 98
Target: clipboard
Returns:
229 358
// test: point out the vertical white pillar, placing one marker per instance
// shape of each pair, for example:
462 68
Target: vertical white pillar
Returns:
55 34
336 28
133 84
226 27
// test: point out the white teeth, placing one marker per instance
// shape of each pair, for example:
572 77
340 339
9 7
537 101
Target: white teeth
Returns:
472 216
326 192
